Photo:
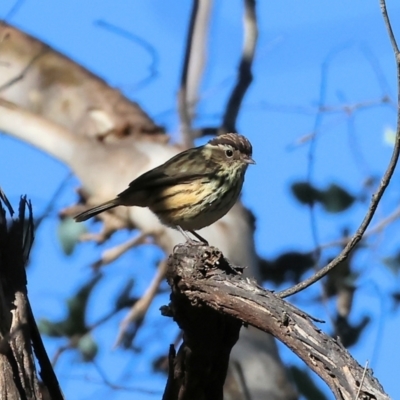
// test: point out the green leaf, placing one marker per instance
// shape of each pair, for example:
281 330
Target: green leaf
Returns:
49 328
87 347
75 322
125 299
396 299
336 199
68 233
305 193
392 263
289 266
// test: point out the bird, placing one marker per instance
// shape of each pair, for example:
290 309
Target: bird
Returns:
191 190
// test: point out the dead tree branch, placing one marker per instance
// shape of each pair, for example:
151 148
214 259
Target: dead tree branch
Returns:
18 330
200 367
208 301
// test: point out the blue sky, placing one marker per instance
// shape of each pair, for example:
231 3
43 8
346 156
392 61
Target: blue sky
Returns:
296 39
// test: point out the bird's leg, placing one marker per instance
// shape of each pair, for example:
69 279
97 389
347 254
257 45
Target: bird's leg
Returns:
199 237
190 240
186 236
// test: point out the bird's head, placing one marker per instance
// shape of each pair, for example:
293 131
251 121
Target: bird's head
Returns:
231 148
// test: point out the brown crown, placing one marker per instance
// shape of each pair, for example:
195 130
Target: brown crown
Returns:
235 140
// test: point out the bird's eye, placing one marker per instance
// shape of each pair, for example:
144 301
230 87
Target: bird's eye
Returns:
229 153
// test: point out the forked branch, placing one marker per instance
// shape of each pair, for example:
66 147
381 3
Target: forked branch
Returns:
355 239
209 298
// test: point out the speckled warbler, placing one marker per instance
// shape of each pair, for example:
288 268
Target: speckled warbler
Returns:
192 190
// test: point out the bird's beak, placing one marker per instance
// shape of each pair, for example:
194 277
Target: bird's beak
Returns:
248 160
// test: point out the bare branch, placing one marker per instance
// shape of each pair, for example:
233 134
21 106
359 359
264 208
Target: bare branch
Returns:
362 380
17 324
153 67
379 227
245 76
139 309
389 29
193 65
200 366
51 203
202 277
40 132
376 197
43 81
114 253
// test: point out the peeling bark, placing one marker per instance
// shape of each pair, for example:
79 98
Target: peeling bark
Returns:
206 287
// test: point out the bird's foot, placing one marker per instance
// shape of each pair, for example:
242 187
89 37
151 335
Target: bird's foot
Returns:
201 241
189 240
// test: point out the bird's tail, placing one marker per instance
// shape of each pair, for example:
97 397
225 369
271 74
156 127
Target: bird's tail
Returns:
96 210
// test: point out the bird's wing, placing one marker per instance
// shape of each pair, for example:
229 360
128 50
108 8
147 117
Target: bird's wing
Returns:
172 172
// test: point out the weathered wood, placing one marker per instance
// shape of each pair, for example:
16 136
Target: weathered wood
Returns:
200 366
18 331
207 294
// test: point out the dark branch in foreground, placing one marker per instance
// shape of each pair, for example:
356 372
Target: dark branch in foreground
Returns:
18 330
210 301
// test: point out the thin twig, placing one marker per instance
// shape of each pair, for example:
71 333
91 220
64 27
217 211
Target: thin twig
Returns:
112 254
325 69
376 196
51 204
59 352
88 379
184 115
14 9
375 229
139 309
388 26
148 47
115 386
362 380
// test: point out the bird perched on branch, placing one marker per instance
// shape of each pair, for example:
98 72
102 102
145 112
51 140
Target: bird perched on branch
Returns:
193 189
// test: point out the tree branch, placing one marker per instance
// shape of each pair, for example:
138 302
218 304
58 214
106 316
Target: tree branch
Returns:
18 330
204 285
245 76
193 65
41 80
200 367
376 196
44 134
